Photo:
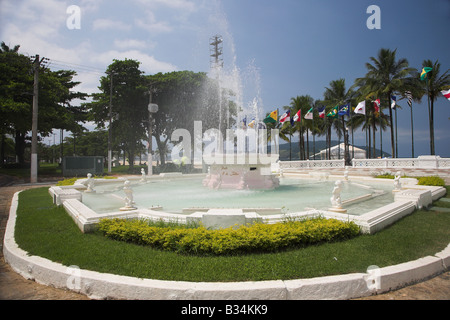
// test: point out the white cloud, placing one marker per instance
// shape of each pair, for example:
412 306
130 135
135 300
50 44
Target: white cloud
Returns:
151 25
107 24
148 63
42 19
130 43
184 5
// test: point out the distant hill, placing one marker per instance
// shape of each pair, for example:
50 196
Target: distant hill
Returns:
319 145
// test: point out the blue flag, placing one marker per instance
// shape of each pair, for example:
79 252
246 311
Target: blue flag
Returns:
393 102
321 112
344 110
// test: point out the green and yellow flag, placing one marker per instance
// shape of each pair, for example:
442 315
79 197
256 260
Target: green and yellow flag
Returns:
333 113
272 117
425 72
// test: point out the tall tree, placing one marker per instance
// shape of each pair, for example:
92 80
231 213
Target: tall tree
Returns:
303 103
386 75
433 84
126 86
16 91
337 94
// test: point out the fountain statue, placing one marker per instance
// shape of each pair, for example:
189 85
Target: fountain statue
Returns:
336 201
143 177
129 202
397 184
89 183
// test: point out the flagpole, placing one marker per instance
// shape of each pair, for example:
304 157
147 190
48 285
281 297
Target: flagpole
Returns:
365 121
412 132
429 117
381 133
290 135
290 145
314 138
396 138
353 145
339 137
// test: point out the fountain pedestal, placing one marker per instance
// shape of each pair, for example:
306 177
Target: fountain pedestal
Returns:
224 218
247 171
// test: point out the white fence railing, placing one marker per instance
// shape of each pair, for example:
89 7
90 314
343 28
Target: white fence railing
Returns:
422 162
307 164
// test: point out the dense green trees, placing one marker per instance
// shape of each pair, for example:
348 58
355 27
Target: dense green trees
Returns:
16 93
182 97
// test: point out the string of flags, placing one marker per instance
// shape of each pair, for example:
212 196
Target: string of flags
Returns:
343 110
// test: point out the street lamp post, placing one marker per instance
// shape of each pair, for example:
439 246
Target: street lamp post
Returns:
152 108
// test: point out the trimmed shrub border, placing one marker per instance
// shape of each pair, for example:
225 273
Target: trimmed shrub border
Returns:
258 237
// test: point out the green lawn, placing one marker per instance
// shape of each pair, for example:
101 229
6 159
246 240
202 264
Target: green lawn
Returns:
45 230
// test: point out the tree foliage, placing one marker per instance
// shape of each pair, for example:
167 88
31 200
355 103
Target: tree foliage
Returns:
16 95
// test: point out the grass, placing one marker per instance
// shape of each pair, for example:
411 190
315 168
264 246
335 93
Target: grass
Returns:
46 230
45 169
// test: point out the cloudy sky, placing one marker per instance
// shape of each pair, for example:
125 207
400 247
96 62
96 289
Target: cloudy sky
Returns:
280 49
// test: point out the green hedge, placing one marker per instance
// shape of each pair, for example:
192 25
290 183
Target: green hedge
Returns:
431 181
258 237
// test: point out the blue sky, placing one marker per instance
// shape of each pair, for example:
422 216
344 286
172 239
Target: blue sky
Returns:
281 48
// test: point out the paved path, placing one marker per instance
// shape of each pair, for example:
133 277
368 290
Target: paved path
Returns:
15 287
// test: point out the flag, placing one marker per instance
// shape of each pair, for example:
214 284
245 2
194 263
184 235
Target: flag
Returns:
322 112
446 93
333 113
272 117
309 115
298 116
361 107
424 74
244 122
344 110
286 116
409 97
393 102
261 125
376 105
252 123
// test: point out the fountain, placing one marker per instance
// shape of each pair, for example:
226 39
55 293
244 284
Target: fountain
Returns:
240 186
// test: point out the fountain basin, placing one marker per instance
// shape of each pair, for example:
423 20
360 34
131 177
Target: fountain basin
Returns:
374 214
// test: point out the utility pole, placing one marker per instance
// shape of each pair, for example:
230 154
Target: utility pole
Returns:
152 108
110 122
34 124
216 51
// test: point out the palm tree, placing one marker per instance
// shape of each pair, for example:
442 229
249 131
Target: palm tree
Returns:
5 48
337 94
386 76
433 86
303 103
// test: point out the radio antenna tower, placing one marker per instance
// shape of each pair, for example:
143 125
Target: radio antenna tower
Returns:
216 51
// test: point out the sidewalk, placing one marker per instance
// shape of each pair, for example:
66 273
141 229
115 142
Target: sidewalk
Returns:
15 287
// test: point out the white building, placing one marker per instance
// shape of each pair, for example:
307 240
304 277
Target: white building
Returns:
338 152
